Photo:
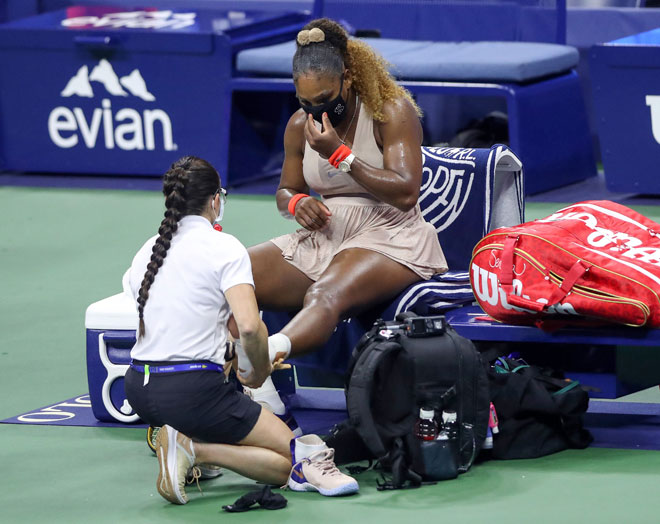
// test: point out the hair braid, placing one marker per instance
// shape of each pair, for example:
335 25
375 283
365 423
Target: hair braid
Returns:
188 185
174 188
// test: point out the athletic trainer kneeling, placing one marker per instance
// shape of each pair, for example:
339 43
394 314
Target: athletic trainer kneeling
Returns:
195 279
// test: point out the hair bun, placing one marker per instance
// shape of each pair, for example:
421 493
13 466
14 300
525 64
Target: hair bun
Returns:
308 36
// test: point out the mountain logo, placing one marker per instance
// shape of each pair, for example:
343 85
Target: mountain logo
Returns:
104 73
126 129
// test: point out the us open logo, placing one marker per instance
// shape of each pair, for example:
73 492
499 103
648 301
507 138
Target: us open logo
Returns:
127 128
447 188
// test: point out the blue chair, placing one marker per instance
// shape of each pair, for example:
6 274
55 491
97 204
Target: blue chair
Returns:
491 55
465 193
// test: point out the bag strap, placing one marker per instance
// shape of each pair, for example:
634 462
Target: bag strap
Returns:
367 337
506 277
401 473
358 394
578 269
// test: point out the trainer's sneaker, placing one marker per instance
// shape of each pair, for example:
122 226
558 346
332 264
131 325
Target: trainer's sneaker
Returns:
152 433
175 457
208 471
318 472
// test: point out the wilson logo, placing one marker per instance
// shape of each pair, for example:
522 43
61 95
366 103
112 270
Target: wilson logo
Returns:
488 291
624 244
127 128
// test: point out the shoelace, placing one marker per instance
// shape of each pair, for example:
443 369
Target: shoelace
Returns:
324 460
193 475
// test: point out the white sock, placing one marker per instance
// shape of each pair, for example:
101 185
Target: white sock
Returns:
278 343
244 364
268 394
306 446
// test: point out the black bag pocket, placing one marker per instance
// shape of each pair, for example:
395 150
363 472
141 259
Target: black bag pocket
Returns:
433 459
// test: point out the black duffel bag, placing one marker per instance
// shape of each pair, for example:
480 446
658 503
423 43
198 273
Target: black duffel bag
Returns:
539 412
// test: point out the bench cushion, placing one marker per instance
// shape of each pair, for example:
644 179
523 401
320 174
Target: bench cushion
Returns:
437 61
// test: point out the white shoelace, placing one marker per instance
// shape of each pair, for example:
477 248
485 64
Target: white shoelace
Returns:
324 460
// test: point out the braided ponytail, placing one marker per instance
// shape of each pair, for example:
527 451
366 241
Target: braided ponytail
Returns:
187 186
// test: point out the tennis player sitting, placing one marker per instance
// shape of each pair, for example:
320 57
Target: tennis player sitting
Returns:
187 281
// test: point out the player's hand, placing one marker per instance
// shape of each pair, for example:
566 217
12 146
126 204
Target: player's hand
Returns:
324 142
312 214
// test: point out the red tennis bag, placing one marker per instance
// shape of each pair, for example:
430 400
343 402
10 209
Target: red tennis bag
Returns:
591 261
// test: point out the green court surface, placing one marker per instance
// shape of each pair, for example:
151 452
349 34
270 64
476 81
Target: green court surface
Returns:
61 250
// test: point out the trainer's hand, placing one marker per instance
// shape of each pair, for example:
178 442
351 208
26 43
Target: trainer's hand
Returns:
256 378
312 214
324 142
279 364
233 328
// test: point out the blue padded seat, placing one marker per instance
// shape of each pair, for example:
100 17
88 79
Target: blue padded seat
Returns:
517 62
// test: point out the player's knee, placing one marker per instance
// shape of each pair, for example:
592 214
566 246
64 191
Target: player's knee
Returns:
320 296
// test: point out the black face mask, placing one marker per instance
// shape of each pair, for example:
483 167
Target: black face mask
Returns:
336 108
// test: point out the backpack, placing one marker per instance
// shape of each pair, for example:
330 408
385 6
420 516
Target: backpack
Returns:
395 369
539 412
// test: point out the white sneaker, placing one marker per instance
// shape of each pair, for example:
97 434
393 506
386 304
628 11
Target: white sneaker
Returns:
175 457
318 472
209 471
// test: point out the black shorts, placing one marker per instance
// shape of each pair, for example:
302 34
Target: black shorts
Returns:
199 404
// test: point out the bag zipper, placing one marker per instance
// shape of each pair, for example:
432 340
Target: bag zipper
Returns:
578 289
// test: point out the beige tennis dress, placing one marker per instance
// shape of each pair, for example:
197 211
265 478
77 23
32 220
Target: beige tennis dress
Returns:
360 220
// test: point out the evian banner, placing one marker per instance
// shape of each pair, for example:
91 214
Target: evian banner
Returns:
127 128
120 91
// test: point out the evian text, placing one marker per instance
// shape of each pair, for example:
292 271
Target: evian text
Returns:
126 129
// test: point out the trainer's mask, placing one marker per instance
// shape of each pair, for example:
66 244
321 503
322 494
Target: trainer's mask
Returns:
336 108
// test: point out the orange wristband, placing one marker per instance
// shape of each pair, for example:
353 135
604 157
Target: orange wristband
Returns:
291 207
340 154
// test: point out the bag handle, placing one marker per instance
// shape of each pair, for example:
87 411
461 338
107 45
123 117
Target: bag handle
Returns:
578 269
506 277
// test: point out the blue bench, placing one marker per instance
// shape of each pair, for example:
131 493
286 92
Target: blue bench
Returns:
548 125
617 360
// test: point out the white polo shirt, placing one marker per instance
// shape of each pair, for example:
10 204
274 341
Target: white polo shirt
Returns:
186 313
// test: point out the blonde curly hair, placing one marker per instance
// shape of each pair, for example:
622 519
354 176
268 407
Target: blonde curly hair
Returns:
333 51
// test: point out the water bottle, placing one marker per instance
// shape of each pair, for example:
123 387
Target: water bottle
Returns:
450 424
426 428
450 427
